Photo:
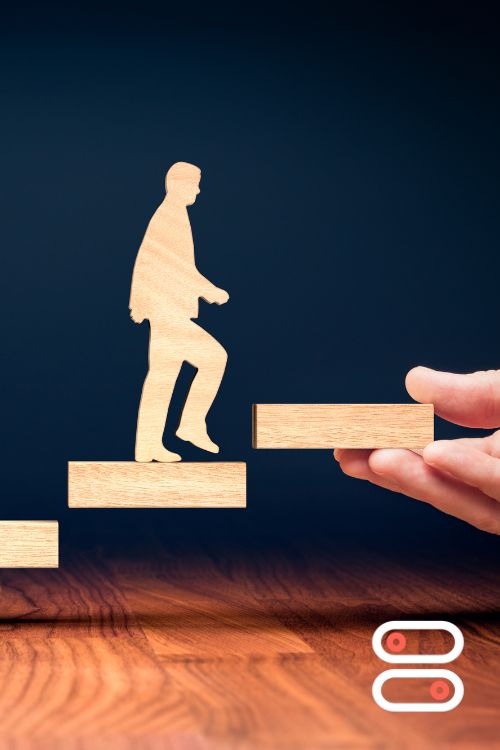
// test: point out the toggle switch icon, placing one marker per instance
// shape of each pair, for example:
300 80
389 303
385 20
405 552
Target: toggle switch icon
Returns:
392 652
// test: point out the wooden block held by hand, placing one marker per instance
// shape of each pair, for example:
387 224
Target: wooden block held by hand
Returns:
128 484
29 544
343 425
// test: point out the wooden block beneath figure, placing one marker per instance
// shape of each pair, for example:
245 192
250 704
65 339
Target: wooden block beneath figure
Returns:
129 484
29 544
343 425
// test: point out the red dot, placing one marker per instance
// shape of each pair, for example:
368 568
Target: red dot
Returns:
439 690
396 642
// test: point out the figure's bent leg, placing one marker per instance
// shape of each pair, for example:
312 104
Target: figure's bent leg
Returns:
155 400
210 358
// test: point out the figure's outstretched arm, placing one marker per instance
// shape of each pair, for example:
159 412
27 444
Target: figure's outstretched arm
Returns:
211 293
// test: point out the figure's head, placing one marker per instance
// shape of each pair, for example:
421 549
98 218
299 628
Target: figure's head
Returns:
183 182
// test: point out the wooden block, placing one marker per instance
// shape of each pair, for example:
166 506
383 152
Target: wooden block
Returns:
124 484
29 544
343 425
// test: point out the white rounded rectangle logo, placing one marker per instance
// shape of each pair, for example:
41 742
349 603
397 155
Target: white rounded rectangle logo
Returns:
434 706
398 640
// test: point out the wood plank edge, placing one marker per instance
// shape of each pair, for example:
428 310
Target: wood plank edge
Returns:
254 426
75 505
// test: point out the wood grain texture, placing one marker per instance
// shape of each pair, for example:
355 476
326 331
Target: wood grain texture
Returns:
29 544
180 649
343 425
166 289
122 484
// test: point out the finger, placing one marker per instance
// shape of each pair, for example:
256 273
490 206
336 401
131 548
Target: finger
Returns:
470 400
481 444
423 482
466 464
351 455
342 455
354 463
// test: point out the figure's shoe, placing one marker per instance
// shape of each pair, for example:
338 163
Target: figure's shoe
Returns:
160 454
199 438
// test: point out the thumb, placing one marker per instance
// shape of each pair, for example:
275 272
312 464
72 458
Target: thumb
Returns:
470 400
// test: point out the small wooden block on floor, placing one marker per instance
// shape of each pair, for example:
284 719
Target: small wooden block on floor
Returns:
29 544
128 484
343 425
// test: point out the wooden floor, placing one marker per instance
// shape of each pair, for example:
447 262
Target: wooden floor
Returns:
195 650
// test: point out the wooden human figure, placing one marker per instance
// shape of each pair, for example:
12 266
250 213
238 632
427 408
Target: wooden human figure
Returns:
166 288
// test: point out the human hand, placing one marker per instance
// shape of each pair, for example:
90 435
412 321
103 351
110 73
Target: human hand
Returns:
460 477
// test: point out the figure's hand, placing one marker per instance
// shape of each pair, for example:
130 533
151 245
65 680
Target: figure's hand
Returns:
218 296
459 477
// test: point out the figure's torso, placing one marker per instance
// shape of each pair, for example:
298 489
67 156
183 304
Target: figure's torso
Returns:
165 271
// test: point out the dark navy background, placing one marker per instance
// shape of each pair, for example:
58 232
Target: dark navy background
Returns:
350 205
